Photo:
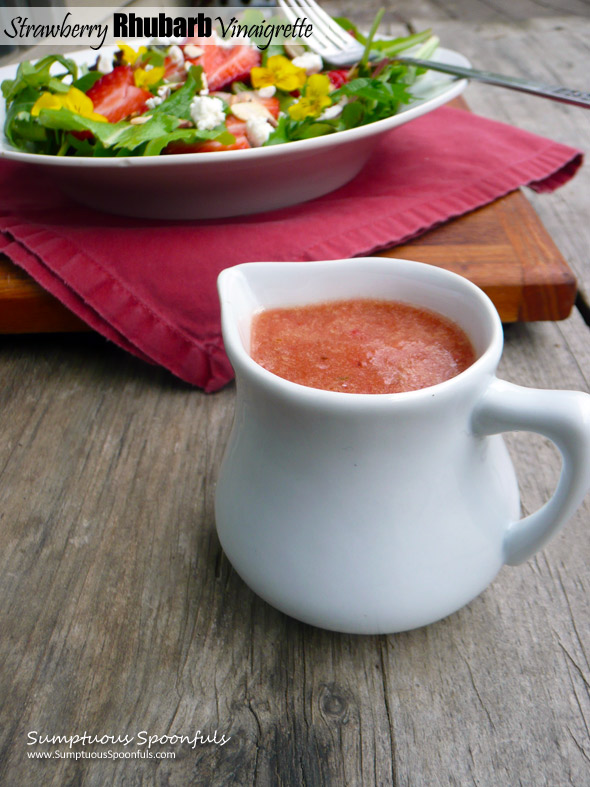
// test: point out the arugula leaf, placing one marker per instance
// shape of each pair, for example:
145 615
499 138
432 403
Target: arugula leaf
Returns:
188 136
350 27
280 134
81 147
317 129
178 103
387 47
66 120
110 135
154 57
86 81
368 44
135 135
394 46
288 130
18 116
380 97
37 75
125 139
24 130
352 114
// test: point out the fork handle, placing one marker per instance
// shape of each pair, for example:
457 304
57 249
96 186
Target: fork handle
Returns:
578 97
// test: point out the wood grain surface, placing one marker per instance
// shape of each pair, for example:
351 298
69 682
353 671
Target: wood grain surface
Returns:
505 250
119 612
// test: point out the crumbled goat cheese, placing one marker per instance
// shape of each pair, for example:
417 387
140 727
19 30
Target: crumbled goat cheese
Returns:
207 112
153 102
104 64
176 55
309 61
267 92
258 130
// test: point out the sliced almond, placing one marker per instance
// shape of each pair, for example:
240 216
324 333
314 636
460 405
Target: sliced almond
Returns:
246 110
140 120
239 98
191 50
294 50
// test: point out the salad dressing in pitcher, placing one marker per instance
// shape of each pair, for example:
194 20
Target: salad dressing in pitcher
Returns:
360 346
377 513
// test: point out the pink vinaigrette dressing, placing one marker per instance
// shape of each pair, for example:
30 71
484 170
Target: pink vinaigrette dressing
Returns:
360 346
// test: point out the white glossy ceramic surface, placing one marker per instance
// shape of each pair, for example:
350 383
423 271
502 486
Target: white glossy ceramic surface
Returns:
234 182
381 513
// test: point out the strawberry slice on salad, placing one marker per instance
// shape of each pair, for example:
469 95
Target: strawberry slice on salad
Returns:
234 126
116 96
338 77
223 65
174 71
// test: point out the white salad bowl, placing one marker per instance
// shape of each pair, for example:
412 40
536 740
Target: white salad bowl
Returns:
234 182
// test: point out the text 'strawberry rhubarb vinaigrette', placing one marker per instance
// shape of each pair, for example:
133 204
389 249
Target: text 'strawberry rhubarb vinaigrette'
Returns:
360 346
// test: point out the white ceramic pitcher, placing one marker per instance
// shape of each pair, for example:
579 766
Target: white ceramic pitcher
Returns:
379 513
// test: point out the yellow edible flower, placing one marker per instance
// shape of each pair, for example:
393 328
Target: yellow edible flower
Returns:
280 72
46 101
74 100
145 78
129 54
314 101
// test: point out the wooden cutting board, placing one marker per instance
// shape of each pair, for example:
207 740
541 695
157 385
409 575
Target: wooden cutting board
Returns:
505 250
502 247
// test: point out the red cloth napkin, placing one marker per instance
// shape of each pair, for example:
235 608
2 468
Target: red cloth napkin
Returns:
151 287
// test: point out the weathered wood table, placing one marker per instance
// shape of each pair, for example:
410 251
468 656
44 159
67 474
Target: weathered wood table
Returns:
120 614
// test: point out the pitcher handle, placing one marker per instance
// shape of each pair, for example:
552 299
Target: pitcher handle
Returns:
563 417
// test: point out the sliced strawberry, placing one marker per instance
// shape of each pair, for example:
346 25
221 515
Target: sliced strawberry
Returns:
174 72
116 96
212 146
272 104
224 65
234 126
338 77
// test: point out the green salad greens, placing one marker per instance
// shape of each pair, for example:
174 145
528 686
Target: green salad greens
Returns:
203 97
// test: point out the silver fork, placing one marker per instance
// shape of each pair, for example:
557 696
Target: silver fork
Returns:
338 48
